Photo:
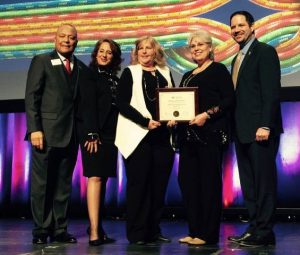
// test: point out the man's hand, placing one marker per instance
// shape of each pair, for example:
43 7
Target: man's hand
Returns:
262 134
37 139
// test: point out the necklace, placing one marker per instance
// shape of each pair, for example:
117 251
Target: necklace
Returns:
104 71
188 79
149 69
151 99
195 72
201 68
112 83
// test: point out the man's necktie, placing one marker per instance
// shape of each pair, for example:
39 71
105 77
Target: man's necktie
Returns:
236 68
68 65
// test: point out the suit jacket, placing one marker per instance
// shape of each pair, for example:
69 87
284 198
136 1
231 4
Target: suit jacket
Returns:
54 99
257 93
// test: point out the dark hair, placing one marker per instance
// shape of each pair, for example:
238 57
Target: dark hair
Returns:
116 61
248 16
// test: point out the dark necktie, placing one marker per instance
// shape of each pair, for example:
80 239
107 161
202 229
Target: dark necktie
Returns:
68 66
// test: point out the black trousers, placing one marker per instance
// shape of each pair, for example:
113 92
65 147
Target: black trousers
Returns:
200 181
258 177
51 185
148 170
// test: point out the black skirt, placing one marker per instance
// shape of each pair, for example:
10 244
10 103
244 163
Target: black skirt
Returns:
100 164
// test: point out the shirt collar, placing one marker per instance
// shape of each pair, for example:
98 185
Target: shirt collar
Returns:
247 45
64 58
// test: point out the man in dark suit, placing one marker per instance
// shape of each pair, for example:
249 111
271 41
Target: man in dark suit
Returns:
256 76
56 87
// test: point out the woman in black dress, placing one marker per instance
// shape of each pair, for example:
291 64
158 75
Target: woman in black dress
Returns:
200 142
98 166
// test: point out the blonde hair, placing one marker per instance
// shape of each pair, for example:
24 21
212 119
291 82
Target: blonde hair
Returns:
204 36
159 53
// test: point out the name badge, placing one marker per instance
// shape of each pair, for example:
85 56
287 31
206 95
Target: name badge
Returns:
56 62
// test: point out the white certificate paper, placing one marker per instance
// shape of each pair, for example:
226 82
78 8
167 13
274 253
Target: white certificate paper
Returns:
180 104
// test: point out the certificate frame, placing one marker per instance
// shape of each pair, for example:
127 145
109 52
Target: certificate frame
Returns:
179 104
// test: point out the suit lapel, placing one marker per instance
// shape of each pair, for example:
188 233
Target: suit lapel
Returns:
59 72
75 76
245 60
70 83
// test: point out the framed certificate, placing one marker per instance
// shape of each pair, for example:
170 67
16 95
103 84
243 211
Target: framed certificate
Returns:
180 104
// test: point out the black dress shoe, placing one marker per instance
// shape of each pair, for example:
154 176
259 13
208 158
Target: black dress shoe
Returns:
96 242
256 241
138 243
64 238
161 238
237 239
105 239
39 240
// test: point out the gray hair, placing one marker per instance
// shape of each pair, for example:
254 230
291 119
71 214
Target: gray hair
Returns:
204 36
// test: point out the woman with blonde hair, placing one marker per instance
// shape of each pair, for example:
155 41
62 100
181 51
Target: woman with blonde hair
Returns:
143 141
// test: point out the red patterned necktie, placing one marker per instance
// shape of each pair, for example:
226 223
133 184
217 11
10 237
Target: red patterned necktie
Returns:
68 66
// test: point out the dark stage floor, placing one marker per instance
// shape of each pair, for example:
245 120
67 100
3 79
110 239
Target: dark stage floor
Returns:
15 239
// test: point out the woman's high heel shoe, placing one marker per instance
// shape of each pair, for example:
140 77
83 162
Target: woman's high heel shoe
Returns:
185 239
103 238
96 242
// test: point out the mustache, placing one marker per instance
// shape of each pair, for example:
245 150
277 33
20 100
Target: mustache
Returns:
237 33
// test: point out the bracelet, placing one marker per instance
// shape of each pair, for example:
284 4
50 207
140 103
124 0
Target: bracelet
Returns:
92 137
208 115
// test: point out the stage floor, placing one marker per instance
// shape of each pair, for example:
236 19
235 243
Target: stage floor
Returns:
15 239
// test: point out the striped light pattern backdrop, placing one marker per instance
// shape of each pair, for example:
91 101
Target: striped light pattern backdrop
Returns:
15 167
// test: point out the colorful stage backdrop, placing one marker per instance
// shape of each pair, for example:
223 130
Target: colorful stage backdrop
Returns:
27 28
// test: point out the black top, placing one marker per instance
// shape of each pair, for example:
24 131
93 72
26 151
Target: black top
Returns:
103 163
107 111
150 83
216 94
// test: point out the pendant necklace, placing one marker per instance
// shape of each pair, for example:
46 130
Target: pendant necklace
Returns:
192 75
145 88
188 79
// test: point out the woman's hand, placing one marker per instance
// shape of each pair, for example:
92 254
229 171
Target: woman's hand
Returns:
92 146
153 124
172 123
200 119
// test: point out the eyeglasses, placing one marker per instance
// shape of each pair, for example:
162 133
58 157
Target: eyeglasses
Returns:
200 45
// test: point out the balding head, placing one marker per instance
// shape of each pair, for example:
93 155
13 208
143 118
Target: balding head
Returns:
66 39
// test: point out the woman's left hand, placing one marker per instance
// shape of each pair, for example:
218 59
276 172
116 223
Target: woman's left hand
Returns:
91 146
200 119
171 123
